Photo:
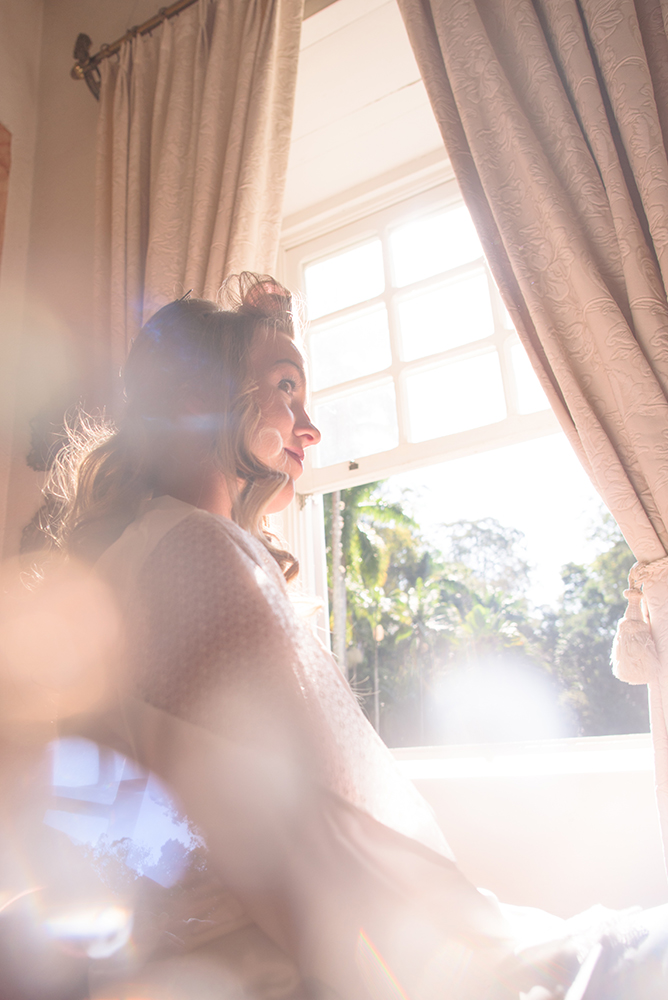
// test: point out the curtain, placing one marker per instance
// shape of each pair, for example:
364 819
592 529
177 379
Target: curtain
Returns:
555 117
5 159
192 148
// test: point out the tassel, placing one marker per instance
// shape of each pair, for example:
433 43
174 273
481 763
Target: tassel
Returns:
634 658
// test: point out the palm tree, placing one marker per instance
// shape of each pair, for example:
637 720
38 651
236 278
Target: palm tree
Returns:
368 529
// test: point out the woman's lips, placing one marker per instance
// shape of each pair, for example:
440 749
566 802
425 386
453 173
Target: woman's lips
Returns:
297 455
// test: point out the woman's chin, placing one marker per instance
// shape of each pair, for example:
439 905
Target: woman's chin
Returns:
282 499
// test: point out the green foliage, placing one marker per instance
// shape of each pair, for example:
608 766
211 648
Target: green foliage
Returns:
445 613
492 554
583 629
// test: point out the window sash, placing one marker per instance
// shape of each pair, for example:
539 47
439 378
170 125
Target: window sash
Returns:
409 454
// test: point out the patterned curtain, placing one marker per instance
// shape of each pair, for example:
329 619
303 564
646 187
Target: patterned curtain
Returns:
5 159
555 117
192 150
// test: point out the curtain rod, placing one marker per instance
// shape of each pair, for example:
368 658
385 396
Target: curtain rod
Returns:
85 67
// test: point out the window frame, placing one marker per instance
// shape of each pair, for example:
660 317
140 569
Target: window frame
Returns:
358 222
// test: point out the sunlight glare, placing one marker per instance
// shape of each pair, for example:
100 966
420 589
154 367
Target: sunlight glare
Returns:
357 424
448 316
530 394
350 348
97 933
350 277
497 700
432 244
455 397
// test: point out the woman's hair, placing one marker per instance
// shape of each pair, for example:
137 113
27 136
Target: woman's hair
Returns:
190 348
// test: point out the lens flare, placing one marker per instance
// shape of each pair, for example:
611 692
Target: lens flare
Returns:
495 701
97 933
378 978
8 899
59 638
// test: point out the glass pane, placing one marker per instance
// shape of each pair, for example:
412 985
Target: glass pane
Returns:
505 318
344 280
455 397
433 244
357 425
530 394
356 346
449 316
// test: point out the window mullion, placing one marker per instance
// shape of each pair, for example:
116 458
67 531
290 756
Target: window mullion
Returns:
503 339
402 402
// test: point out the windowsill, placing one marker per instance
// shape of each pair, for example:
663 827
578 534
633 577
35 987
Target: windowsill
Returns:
558 824
580 755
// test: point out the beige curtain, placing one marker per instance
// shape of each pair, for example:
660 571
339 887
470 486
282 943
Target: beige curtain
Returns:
192 149
5 159
555 116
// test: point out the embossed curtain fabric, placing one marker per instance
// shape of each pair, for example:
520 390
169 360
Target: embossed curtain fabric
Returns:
555 117
192 150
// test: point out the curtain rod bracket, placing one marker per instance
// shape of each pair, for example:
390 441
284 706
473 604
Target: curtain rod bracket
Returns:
86 65
85 68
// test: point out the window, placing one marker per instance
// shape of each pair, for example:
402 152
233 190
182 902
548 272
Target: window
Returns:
415 362
413 354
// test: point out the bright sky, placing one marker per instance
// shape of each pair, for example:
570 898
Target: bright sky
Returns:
538 487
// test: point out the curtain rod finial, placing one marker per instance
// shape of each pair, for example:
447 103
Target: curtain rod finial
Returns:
82 69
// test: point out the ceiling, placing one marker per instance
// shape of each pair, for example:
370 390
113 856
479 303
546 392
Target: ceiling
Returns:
361 109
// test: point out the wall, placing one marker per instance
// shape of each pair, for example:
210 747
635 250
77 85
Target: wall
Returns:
558 824
361 108
53 233
20 42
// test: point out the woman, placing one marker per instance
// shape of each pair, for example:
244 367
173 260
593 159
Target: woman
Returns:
326 875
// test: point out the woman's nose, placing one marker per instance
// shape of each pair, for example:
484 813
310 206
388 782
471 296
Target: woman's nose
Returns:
306 431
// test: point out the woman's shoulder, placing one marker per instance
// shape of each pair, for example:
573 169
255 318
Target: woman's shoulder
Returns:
214 536
178 536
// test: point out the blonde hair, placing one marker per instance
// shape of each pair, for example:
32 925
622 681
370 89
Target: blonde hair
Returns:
104 472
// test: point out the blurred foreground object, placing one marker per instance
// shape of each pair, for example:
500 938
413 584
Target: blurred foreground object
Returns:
59 643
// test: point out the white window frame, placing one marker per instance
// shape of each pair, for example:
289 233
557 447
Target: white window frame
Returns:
424 186
378 223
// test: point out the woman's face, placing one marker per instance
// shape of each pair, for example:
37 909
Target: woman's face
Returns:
285 430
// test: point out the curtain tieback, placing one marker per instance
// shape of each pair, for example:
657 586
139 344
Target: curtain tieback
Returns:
634 657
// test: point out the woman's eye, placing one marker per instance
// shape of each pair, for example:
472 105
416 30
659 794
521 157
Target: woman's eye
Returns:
287 385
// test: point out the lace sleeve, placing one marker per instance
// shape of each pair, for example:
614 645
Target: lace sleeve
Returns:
309 821
208 628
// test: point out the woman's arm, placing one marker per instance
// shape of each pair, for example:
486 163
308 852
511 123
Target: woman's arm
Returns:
271 758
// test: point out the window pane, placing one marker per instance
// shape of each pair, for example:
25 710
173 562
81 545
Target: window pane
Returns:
357 425
433 244
344 280
454 314
505 318
455 397
530 394
359 345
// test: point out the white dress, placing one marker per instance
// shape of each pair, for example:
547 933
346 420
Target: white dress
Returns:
326 872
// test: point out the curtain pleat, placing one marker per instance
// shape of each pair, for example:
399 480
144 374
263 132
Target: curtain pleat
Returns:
555 117
192 149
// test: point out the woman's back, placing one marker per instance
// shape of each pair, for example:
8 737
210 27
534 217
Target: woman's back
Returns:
307 818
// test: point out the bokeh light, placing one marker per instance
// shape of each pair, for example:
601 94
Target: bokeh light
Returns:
497 700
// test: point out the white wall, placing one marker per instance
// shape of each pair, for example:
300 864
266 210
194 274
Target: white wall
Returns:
559 824
361 108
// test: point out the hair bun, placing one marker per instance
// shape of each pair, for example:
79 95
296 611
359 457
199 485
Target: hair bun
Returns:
259 295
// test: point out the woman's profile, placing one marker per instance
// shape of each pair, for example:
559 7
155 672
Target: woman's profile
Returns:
326 875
